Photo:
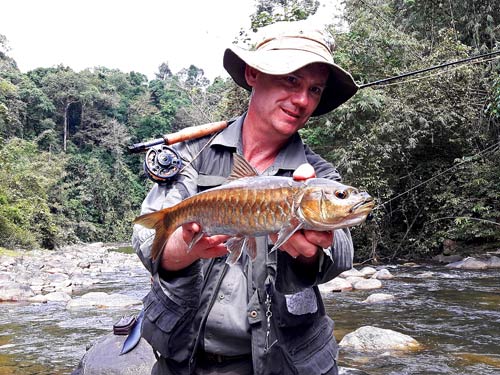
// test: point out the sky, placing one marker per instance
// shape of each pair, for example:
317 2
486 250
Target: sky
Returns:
129 35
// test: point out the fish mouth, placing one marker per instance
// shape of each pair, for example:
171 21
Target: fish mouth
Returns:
367 202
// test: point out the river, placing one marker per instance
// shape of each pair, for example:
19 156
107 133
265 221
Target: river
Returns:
455 314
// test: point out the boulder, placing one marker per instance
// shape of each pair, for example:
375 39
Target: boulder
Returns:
368 271
383 274
441 258
469 263
367 284
354 279
336 285
103 358
14 292
379 298
493 262
369 338
351 272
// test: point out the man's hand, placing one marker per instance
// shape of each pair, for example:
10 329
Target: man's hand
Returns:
307 243
177 254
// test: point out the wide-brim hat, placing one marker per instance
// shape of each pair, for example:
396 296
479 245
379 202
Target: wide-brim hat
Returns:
286 52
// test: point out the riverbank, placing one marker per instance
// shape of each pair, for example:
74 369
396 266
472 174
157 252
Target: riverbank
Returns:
451 312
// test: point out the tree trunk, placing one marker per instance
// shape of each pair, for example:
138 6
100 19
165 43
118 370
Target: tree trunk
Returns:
65 130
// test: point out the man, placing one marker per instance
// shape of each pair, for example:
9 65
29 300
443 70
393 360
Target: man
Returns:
264 316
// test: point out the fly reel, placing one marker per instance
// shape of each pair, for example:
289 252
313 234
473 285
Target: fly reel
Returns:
162 163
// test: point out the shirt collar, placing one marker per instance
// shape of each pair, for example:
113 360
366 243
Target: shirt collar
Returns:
289 158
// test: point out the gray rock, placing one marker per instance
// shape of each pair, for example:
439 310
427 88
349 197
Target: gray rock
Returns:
351 272
379 298
336 285
103 358
441 258
369 338
367 284
493 262
368 271
469 263
15 292
383 274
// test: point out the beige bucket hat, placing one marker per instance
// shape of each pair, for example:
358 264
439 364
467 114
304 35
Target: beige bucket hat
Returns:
288 50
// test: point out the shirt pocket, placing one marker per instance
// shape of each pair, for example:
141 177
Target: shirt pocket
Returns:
206 182
167 325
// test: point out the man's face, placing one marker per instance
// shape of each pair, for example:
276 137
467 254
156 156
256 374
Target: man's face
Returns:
284 103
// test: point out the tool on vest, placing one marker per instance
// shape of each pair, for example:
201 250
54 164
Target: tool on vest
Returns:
133 334
162 162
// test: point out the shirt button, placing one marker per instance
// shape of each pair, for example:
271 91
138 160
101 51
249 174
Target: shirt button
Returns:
253 314
221 296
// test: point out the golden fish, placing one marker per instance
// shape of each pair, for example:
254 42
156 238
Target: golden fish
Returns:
250 205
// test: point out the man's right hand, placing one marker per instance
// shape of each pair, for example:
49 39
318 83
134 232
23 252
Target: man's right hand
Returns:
177 255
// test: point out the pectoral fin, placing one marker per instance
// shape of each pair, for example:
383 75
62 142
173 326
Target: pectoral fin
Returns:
286 232
235 247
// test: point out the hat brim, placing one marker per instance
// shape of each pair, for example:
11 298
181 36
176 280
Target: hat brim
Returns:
340 86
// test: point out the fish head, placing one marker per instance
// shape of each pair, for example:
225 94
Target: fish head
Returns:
327 205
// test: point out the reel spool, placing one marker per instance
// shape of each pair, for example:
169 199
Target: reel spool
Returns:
162 163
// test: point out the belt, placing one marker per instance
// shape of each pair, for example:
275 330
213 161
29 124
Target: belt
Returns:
219 358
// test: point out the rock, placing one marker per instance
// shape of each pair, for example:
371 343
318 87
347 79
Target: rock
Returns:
369 338
57 297
101 299
383 274
379 297
449 246
336 285
14 292
351 272
441 258
368 271
469 263
39 298
103 358
493 262
354 279
367 284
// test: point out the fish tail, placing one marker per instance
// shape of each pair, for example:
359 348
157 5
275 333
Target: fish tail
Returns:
164 226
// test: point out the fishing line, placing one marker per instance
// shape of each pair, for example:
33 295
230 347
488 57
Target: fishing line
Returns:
487 149
466 60
438 73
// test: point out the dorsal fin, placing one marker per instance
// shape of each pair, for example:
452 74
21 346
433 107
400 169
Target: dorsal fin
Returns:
241 168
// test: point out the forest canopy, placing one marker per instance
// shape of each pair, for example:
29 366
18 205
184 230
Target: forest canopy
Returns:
427 147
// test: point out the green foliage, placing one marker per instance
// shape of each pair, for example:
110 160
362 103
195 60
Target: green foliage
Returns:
401 141
26 178
425 147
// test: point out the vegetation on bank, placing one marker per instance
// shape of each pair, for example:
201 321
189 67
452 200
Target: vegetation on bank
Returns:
427 147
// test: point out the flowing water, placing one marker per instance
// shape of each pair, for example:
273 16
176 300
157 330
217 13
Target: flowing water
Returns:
455 314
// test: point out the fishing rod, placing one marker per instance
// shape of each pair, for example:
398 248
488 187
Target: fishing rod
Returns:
456 62
162 162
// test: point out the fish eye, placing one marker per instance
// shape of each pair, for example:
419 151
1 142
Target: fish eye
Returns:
341 194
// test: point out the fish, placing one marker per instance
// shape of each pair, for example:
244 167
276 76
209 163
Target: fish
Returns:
250 205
